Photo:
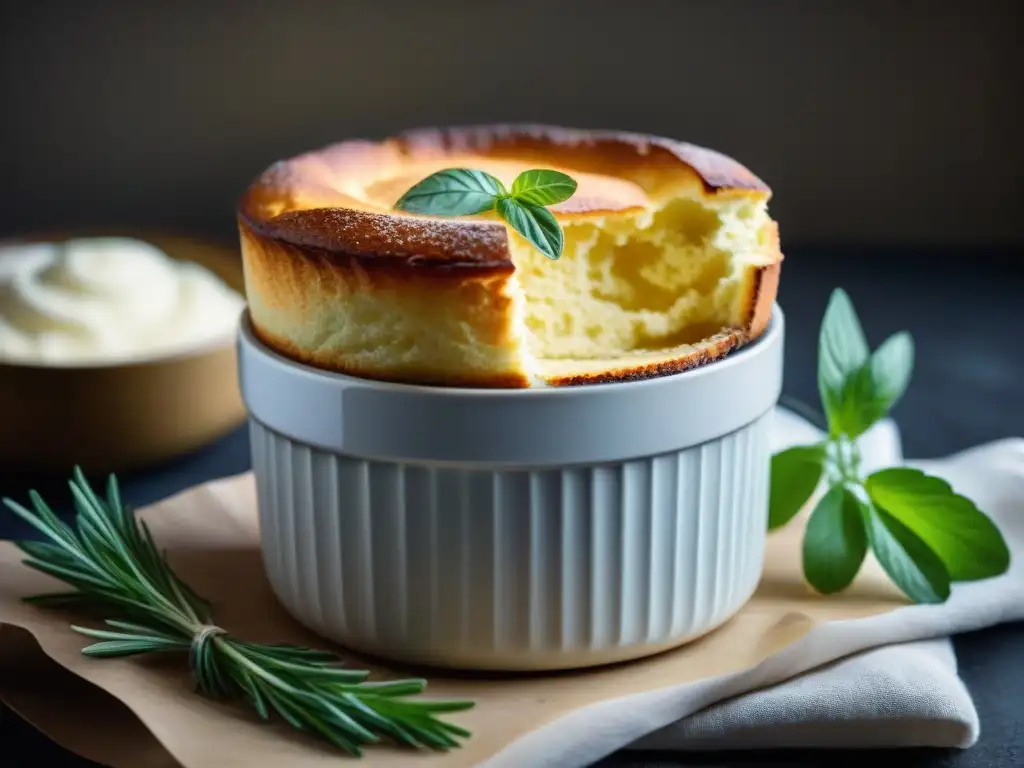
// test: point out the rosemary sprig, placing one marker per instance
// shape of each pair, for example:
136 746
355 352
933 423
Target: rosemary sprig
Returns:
112 562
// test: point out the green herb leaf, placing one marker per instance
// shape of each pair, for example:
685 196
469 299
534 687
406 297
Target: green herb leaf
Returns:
535 223
464 192
796 472
856 407
835 541
967 542
891 367
542 187
842 351
873 389
453 192
907 560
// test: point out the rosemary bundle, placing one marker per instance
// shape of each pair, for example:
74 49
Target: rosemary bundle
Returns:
112 562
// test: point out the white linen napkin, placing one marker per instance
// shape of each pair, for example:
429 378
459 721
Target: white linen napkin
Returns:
885 681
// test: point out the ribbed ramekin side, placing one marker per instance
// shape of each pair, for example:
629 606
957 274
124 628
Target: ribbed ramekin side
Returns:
514 569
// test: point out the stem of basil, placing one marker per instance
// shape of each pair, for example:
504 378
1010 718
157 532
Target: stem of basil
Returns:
843 461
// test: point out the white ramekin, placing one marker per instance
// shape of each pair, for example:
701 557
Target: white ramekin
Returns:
513 529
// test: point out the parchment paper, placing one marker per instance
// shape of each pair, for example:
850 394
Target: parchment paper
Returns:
210 533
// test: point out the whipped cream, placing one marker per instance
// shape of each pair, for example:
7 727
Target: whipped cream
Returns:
106 300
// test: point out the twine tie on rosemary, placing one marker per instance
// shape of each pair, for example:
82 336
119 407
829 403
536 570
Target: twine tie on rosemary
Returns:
204 634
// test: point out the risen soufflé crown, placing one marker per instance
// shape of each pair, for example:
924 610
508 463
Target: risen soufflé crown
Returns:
670 261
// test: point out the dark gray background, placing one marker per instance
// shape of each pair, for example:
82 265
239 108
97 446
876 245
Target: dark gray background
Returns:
874 121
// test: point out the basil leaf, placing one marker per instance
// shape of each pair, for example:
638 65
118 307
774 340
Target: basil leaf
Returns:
453 192
541 187
842 350
872 390
535 223
835 542
967 542
795 474
891 365
850 410
908 561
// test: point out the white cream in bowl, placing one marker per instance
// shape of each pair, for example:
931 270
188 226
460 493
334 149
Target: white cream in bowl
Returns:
107 300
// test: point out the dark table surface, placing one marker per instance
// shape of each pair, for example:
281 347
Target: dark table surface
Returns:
964 309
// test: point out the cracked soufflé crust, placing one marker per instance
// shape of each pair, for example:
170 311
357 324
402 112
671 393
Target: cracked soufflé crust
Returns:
318 231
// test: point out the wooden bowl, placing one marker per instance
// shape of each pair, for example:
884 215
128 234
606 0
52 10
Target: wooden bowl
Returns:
121 417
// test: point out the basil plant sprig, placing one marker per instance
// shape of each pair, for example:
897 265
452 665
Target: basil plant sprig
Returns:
923 534
465 192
